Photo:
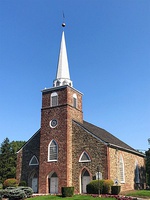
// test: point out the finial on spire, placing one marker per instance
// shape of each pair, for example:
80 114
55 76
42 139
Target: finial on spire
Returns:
63 24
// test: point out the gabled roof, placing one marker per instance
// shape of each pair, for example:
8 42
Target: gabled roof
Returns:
35 134
102 135
106 137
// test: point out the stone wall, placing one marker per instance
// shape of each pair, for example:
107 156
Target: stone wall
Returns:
30 149
83 141
19 165
130 160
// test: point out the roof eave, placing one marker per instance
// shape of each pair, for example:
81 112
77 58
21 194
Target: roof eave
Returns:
28 141
59 88
125 149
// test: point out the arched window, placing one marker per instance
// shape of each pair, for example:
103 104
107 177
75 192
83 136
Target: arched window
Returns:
74 100
121 170
34 161
137 173
54 99
52 151
84 157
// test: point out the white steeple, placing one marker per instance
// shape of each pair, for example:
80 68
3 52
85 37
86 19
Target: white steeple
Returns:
62 75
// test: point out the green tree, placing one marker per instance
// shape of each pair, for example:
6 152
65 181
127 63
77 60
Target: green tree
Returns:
148 166
8 158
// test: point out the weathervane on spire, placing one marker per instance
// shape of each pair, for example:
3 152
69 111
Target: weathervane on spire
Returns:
63 24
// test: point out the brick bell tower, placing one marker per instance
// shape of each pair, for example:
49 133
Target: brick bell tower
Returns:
60 105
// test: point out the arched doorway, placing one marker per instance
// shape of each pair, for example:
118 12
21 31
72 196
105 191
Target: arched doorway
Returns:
85 179
33 182
53 183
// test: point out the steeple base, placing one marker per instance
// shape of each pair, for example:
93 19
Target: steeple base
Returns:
62 81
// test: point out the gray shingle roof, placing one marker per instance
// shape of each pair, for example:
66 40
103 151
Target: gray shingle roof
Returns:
107 137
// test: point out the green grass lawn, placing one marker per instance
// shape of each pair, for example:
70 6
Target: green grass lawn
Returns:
136 193
75 197
139 193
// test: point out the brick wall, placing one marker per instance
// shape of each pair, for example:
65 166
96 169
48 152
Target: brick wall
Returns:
62 134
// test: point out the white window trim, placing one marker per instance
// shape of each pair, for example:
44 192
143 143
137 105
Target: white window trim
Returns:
80 159
54 94
121 165
49 151
30 163
75 97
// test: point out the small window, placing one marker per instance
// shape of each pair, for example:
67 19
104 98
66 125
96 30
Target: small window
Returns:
34 161
65 82
121 170
84 157
54 99
52 151
58 83
74 100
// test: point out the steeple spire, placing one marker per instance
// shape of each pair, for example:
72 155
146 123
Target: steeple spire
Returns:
62 75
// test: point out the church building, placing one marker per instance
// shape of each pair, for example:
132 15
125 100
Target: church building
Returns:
68 151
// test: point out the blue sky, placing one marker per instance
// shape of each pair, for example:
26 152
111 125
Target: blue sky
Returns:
108 45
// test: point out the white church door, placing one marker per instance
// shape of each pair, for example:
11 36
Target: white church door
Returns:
34 184
53 184
85 179
33 181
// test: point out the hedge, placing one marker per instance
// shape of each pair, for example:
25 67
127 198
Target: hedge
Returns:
22 183
105 186
93 187
67 191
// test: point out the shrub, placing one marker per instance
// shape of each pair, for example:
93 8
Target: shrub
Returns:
115 189
22 183
1 186
28 191
93 187
11 182
107 186
2 193
67 191
14 193
10 188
